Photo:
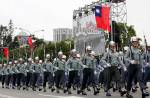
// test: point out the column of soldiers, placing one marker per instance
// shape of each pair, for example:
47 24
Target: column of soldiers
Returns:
120 71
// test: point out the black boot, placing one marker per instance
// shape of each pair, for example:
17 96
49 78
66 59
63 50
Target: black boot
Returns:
129 96
88 89
95 91
69 91
145 93
53 89
57 90
134 90
78 91
122 93
83 92
34 89
44 89
27 88
65 90
74 88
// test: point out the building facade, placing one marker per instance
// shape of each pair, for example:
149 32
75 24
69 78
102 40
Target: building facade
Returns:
61 34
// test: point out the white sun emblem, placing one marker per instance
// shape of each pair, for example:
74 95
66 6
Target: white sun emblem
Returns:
97 11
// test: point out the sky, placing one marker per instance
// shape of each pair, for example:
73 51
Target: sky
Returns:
36 15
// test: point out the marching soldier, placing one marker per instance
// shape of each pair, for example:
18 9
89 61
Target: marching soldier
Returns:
20 74
147 65
123 73
36 70
59 65
134 69
1 69
40 78
111 70
48 73
14 74
8 76
29 73
4 73
88 72
74 66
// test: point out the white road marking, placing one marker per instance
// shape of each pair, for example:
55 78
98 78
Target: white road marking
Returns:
47 95
7 96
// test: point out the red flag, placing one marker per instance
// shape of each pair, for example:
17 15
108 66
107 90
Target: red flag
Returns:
30 42
6 52
102 14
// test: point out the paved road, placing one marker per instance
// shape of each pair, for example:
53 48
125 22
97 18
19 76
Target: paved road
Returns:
10 93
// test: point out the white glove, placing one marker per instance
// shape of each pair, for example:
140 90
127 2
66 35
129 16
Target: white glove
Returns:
108 65
66 73
70 69
44 70
56 68
132 61
84 66
125 69
53 74
95 72
147 64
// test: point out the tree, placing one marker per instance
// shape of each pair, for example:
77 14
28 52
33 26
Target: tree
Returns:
122 34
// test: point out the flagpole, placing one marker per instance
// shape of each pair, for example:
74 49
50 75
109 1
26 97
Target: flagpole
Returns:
111 20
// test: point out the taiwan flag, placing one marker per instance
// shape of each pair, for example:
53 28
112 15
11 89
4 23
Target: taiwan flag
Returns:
6 52
30 42
102 16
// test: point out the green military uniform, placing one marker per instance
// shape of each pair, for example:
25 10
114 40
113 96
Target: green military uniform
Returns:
74 66
36 70
60 72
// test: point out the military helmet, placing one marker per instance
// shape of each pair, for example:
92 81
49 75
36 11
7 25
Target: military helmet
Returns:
60 53
64 57
134 39
37 58
40 61
92 53
78 55
29 59
111 43
15 61
10 63
20 59
120 53
73 50
89 48
125 48
48 56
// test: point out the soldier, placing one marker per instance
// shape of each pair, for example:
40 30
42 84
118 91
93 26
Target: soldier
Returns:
14 74
88 72
8 76
111 70
1 69
123 73
29 73
147 65
134 69
40 78
36 70
48 73
74 66
4 73
59 65
20 74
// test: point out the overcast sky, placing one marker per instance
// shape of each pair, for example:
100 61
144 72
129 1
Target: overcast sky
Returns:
35 15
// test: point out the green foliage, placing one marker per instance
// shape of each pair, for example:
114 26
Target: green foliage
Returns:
125 36
51 48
